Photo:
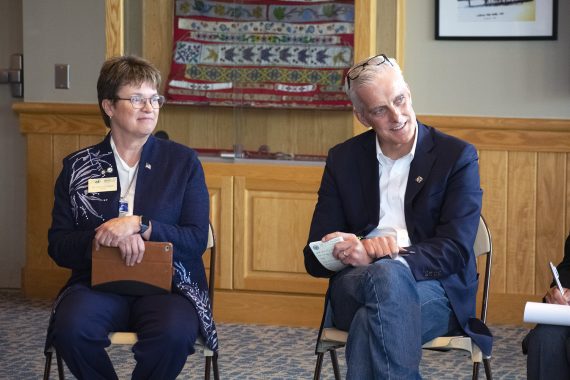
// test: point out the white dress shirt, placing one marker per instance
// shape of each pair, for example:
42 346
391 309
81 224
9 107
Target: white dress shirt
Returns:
127 178
393 182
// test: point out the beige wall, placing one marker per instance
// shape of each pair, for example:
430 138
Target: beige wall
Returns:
480 78
528 79
63 31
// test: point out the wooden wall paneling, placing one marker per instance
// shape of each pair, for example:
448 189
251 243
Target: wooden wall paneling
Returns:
88 140
268 308
176 125
493 171
40 195
40 276
221 217
521 225
550 206
520 186
276 218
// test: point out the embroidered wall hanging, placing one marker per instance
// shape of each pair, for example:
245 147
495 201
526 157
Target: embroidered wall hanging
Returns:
256 53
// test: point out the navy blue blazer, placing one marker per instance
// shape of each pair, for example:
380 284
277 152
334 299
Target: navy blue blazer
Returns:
442 206
170 190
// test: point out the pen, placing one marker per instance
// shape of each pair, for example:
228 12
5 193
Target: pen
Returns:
556 277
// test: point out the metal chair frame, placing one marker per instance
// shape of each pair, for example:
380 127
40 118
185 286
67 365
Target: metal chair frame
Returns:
130 338
330 339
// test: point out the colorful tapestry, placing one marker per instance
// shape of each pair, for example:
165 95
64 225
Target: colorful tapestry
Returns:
257 53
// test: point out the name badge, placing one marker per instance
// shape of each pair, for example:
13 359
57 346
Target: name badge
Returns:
101 185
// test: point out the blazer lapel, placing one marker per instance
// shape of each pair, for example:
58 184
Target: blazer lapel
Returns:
369 180
420 169
144 175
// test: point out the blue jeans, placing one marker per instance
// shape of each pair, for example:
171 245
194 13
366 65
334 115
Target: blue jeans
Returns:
388 316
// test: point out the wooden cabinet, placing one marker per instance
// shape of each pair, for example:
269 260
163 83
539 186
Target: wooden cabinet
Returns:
262 213
265 213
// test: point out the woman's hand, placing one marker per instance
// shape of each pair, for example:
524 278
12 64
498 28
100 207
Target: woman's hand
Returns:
132 249
350 251
114 230
554 296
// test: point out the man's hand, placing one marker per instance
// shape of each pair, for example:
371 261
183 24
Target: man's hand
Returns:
554 296
378 247
350 251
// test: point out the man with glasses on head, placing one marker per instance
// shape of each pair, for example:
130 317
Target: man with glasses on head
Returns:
406 200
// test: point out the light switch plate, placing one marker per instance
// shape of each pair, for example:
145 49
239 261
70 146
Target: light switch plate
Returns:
61 76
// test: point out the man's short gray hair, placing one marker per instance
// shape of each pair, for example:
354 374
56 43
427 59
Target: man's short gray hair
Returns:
367 75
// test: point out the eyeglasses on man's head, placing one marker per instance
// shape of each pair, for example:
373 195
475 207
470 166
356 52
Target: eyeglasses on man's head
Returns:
355 71
138 101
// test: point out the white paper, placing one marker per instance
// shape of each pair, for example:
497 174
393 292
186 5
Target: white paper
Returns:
323 252
547 313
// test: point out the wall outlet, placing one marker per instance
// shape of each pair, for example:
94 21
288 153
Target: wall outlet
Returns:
61 76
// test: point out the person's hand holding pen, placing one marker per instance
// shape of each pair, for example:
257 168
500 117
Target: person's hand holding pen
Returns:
557 294
554 296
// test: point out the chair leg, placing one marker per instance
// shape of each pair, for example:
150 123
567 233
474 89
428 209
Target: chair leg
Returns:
318 366
475 370
215 365
47 368
59 366
487 364
334 361
207 372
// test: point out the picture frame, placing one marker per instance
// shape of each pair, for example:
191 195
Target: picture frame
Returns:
496 19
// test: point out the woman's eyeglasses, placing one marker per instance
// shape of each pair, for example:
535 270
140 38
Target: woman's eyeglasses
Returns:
138 102
355 72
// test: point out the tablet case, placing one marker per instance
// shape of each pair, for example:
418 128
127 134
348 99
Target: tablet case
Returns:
152 276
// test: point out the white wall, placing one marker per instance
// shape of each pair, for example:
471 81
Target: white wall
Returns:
63 31
528 79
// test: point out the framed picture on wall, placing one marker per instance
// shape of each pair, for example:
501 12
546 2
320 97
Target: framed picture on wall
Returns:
496 19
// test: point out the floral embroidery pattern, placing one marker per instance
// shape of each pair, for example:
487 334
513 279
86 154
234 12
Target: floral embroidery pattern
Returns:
86 164
201 302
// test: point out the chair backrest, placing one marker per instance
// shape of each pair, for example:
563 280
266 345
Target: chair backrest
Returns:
484 246
212 272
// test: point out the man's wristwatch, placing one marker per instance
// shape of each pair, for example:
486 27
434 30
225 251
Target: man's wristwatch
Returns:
144 223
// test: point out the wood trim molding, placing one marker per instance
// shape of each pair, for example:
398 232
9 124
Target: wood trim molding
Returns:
510 134
364 29
114 28
496 123
60 118
400 31
493 133
55 108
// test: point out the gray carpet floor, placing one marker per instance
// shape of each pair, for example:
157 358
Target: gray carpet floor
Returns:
246 351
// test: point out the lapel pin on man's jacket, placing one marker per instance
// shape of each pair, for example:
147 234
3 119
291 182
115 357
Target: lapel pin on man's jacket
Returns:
148 166
419 179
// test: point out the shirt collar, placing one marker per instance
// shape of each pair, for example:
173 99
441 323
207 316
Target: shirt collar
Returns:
382 158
